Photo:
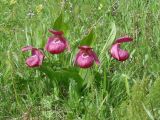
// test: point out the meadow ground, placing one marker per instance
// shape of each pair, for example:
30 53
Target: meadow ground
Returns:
115 90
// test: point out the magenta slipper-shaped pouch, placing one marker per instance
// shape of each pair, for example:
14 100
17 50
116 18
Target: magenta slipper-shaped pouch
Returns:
86 57
116 52
37 56
57 43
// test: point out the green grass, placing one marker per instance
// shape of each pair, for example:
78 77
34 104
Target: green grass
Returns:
127 90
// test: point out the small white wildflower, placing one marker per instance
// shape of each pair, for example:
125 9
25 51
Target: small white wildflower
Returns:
30 14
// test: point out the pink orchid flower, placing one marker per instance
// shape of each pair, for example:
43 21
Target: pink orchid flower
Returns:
86 57
57 43
37 56
117 52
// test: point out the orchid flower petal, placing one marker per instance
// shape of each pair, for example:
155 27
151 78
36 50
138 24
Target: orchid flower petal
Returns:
55 32
84 47
77 55
124 55
38 53
95 58
115 51
50 39
124 39
26 48
67 46
33 61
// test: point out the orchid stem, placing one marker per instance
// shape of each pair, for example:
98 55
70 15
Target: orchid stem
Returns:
15 93
127 86
105 80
